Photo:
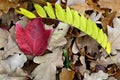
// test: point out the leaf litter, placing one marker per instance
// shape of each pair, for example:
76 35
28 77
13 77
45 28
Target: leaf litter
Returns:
86 58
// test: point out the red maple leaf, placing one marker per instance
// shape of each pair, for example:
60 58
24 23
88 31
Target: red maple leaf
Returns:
32 40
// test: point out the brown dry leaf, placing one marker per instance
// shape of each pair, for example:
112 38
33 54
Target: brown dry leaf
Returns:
114 5
5 5
94 6
67 74
81 8
92 45
8 19
108 20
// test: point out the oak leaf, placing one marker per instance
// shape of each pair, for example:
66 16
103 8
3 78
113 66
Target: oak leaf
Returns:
114 5
48 63
114 35
10 4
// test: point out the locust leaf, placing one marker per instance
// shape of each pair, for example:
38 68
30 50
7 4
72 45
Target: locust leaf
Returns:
32 40
62 15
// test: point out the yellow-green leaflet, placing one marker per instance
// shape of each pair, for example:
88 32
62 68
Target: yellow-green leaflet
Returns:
60 13
95 30
73 18
76 18
69 16
108 47
40 10
50 11
82 22
89 27
26 13
104 43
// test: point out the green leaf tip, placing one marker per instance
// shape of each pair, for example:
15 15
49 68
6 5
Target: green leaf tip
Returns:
26 13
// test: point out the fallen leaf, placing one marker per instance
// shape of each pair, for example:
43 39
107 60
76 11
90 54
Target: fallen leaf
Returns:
110 60
58 37
33 40
81 8
114 5
71 2
10 4
75 49
7 77
3 37
95 17
94 5
48 63
113 35
100 75
107 20
9 18
11 46
10 64
92 45
67 74
17 60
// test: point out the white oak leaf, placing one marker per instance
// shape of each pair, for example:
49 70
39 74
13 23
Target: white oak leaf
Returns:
3 37
48 63
58 37
114 35
100 75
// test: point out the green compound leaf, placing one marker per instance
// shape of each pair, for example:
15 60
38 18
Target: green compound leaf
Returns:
73 18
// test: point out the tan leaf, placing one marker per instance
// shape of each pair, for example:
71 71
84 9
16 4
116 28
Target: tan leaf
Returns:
94 6
92 45
108 20
5 5
96 76
67 74
11 47
48 63
73 2
114 35
81 8
3 37
58 36
7 77
74 48
111 4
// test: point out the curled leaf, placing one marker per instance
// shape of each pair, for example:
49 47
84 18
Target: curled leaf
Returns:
32 40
